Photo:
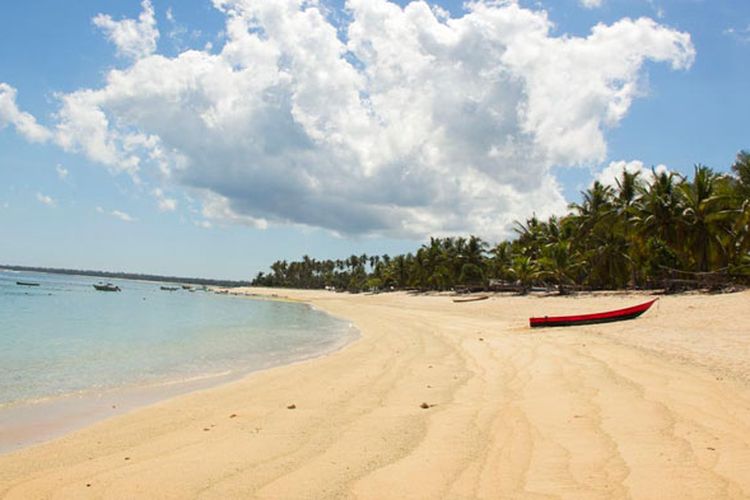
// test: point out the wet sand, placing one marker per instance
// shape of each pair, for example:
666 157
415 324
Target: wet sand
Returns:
445 400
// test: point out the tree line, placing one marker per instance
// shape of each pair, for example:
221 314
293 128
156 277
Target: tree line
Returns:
669 231
129 276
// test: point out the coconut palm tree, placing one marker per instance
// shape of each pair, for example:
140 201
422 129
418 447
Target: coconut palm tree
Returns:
525 270
501 260
741 169
701 215
658 210
560 263
629 191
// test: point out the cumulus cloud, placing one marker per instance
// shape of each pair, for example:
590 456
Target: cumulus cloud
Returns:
45 200
24 123
133 38
401 122
612 172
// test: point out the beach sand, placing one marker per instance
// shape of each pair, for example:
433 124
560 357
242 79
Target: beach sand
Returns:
445 400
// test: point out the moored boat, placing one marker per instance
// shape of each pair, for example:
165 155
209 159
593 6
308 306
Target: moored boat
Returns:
472 299
26 283
590 319
109 287
169 288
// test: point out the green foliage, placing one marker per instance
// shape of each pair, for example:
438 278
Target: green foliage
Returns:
471 274
560 263
661 259
741 169
525 269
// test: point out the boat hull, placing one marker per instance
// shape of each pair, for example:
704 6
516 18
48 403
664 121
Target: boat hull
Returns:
472 299
591 319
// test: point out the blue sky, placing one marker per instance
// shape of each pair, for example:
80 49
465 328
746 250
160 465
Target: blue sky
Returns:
212 151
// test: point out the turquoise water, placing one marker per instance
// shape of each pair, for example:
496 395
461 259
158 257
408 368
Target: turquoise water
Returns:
65 338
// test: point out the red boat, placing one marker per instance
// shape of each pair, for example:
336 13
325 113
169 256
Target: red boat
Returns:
590 319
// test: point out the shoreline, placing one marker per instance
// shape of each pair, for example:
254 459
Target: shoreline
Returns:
616 410
29 423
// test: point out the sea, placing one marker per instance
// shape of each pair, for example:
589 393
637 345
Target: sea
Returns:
68 350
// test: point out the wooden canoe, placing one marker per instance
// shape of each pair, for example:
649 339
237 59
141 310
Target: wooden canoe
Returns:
472 299
590 319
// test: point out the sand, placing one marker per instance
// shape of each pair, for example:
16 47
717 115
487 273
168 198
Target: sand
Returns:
445 400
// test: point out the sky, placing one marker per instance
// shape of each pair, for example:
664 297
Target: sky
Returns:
210 138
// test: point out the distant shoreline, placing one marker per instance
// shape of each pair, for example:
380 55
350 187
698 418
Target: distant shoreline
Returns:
130 276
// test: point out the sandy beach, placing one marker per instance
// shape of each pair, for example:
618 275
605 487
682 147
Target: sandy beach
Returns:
444 400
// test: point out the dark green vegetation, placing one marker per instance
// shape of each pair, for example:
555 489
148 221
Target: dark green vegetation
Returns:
674 233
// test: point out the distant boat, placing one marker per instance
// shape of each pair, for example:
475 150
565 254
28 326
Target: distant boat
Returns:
472 299
109 287
186 287
169 288
26 283
590 319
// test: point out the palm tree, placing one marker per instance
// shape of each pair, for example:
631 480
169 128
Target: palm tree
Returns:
596 207
525 270
629 189
530 236
701 214
657 233
741 169
599 239
739 240
501 261
559 263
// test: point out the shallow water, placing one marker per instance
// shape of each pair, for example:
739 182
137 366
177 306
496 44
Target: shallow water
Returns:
64 338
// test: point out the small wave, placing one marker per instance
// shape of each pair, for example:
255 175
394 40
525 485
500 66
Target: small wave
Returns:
187 380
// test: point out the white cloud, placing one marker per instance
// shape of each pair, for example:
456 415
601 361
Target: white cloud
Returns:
742 35
46 200
62 172
165 204
134 39
117 214
402 123
612 172
218 207
24 123
657 8
591 4
122 216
